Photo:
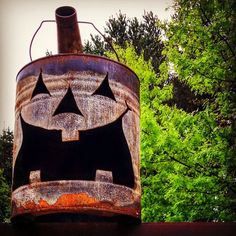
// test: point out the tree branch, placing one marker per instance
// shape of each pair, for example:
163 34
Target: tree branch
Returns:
223 38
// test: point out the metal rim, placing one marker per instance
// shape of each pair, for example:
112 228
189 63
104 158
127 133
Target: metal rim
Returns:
77 55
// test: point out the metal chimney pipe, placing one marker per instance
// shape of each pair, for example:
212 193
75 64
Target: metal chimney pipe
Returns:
68 35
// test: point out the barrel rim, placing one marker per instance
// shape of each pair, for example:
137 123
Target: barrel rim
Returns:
76 55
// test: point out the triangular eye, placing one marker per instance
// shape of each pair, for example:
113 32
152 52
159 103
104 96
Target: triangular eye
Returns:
68 104
104 89
40 87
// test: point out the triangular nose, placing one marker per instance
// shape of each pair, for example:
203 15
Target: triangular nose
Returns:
68 104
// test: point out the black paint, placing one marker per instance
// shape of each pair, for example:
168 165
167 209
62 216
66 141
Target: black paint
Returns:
68 104
40 87
103 148
104 89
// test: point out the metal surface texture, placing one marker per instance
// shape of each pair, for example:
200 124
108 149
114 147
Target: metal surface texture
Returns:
76 147
69 40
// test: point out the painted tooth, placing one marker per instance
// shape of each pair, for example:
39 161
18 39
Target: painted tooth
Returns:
70 135
104 176
35 176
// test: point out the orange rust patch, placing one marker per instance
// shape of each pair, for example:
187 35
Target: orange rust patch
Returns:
42 204
66 200
75 199
81 202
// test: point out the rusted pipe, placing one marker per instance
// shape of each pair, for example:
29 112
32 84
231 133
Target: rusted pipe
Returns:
68 35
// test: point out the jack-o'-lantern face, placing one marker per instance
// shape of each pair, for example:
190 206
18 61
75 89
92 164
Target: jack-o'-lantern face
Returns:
72 103
73 126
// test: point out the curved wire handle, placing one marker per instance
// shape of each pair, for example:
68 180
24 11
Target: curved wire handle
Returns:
31 42
82 22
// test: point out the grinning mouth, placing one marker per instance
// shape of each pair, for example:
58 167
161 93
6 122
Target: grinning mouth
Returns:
100 154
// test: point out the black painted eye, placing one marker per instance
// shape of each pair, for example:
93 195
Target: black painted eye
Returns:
40 87
68 104
104 89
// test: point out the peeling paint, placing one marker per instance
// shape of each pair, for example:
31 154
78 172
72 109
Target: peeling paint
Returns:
74 196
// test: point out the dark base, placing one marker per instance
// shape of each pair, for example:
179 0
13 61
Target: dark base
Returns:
75 218
114 229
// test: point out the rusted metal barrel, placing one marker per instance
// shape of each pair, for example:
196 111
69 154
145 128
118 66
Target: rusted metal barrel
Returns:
76 144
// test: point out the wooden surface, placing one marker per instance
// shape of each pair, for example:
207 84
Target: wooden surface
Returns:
113 229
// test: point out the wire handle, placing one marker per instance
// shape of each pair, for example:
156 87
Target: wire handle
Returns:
80 22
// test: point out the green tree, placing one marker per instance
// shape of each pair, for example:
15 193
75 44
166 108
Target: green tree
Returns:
146 38
6 148
189 170
4 199
144 35
6 145
188 156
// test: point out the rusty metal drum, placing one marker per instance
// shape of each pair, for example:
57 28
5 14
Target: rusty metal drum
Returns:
76 144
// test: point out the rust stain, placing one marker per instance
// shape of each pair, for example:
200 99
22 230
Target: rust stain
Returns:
65 200
78 203
42 204
75 199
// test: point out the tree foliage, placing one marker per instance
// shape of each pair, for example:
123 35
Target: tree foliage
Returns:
188 158
190 169
144 35
183 155
6 145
